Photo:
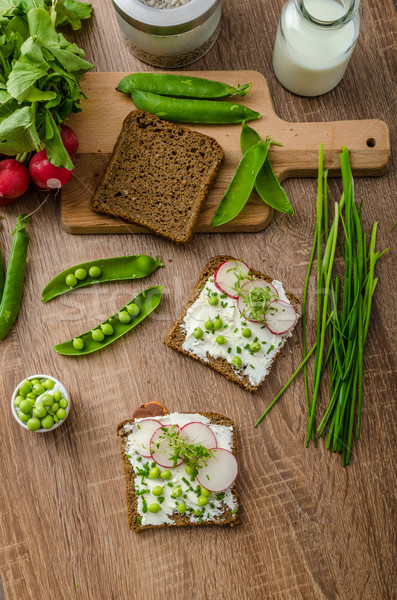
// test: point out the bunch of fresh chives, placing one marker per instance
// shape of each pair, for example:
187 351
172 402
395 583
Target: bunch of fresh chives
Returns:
343 309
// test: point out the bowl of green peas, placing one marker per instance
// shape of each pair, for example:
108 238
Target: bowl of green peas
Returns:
40 403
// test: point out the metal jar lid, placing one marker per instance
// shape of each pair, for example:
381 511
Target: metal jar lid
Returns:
170 21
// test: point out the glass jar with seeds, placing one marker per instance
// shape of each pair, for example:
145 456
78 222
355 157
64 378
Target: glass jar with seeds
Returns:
169 33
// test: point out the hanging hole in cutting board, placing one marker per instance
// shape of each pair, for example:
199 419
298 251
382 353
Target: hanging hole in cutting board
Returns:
371 143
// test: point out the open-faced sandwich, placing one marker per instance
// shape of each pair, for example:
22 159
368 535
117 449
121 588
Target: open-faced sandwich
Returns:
180 468
236 321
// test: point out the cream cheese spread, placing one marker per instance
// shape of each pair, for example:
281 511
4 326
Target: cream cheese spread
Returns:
190 489
254 365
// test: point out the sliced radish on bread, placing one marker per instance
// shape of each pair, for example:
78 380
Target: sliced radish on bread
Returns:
250 285
220 472
161 448
143 432
280 317
199 434
225 276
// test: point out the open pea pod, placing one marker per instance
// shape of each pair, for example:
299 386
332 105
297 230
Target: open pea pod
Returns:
117 268
266 183
115 326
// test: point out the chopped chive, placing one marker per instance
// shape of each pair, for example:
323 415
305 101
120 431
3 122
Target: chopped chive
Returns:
256 339
229 350
238 349
270 349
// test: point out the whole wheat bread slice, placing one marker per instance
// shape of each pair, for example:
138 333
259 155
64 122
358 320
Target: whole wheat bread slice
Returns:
179 520
176 335
158 176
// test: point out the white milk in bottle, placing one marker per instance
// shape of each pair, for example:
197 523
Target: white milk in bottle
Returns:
315 39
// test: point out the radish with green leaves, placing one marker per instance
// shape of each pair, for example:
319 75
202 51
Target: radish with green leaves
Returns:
69 139
47 176
14 180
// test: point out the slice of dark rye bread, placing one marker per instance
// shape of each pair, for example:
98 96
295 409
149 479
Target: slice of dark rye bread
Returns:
176 335
158 176
179 520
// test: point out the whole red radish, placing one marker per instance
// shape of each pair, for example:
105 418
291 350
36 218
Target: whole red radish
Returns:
45 175
69 139
14 180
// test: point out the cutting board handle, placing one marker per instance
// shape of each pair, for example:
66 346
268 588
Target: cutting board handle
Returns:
368 142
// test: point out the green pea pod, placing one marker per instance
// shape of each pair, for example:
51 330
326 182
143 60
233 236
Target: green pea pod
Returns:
145 302
181 86
117 268
241 186
192 111
13 286
266 184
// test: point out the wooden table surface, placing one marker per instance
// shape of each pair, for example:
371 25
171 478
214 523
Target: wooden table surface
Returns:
309 528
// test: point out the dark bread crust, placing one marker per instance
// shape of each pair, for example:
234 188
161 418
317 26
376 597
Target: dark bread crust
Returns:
179 520
176 335
158 176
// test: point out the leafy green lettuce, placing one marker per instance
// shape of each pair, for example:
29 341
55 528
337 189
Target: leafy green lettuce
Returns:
40 74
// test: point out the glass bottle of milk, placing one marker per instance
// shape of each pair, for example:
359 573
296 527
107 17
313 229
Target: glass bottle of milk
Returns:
315 39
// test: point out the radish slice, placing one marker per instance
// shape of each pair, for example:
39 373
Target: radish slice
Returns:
143 432
198 433
281 317
220 472
225 276
250 285
160 448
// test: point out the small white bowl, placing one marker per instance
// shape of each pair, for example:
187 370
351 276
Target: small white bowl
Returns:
61 389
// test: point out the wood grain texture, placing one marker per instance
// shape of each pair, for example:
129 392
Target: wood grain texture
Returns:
297 157
309 529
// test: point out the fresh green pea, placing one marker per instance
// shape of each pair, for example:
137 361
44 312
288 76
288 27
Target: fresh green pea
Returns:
154 473
182 86
205 492
198 512
78 344
13 285
25 387
202 500
25 406
35 381
165 475
237 362
47 422
181 508
24 417
189 469
157 490
31 396
18 400
55 407
241 186
48 384
56 420
154 507
246 332
213 301
209 324
38 389
95 272
118 268
198 333
39 411
57 395
176 492
80 274
33 424
266 183
107 329
146 301
132 309
124 316
61 413
47 399
192 111
218 324
63 403
71 280
220 340
97 335
255 346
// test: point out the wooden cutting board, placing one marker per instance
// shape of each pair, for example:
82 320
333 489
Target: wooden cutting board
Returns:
100 122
